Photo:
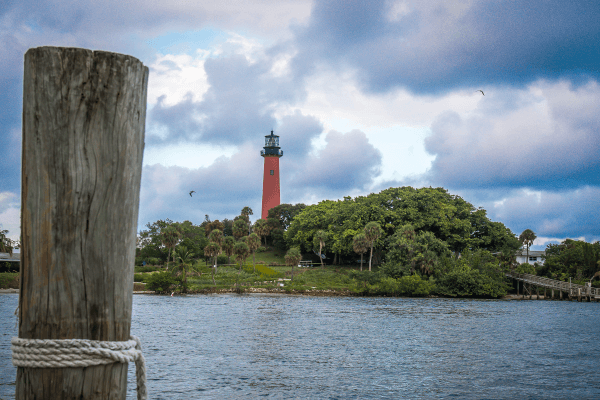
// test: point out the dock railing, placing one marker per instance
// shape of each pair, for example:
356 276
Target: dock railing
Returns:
572 289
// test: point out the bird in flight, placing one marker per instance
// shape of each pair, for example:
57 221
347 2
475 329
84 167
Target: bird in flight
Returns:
192 192
480 91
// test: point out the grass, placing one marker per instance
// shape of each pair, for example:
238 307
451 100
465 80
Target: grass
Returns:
9 280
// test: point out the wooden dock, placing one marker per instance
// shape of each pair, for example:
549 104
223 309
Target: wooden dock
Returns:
571 290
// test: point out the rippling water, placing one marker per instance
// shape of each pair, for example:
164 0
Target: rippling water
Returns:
249 346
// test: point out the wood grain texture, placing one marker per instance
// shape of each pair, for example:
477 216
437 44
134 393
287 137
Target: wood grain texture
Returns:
83 138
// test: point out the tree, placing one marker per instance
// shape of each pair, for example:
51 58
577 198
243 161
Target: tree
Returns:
185 261
213 250
246 213
321 237
373 232
227 247
6 245
240 227
261 229
292 258
360 246
527 238
210 226
285 213
241 251
216 236
253 242
170 237
571 258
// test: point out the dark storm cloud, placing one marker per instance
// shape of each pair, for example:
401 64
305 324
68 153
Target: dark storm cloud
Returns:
439 45
549 141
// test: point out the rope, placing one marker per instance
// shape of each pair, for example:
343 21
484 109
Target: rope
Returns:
78 353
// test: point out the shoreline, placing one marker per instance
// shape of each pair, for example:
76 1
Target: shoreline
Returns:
321 293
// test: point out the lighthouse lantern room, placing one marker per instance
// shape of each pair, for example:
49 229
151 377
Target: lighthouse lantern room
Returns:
271 153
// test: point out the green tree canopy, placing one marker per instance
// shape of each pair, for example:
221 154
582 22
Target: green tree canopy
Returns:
448 217
571 258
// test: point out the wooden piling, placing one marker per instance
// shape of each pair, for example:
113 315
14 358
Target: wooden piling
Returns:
83 137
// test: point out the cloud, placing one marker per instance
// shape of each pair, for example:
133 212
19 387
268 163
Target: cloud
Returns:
10 214
439 45
296 133
230 183
572 213
545 136
348 162
243 92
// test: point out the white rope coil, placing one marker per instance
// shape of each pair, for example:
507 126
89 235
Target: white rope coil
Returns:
77 353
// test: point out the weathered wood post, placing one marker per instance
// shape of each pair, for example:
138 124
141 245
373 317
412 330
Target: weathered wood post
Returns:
83 138
552 294
561 296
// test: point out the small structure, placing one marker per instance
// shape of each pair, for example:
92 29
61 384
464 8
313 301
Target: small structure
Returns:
271 154
535 256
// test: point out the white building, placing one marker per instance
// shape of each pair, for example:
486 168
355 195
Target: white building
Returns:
535 256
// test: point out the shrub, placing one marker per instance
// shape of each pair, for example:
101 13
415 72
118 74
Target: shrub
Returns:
466 282
261 249
9 280
525 268
161 282
222 259
410 285
265 272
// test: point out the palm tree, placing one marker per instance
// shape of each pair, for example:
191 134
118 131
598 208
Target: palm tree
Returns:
185 258
321 236
373 232
240 228
4 242
260 228
170 237
527 238
246 213
253 242
212 250
361 246
241 251
227 246
292 258
216 236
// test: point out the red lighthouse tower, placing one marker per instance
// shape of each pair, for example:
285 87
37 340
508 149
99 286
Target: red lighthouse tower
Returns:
271 153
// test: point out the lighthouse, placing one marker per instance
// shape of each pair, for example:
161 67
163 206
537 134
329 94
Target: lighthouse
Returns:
271 153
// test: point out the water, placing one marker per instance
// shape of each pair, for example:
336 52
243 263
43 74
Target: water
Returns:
283 347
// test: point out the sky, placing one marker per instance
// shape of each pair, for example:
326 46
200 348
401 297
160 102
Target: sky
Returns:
364 96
